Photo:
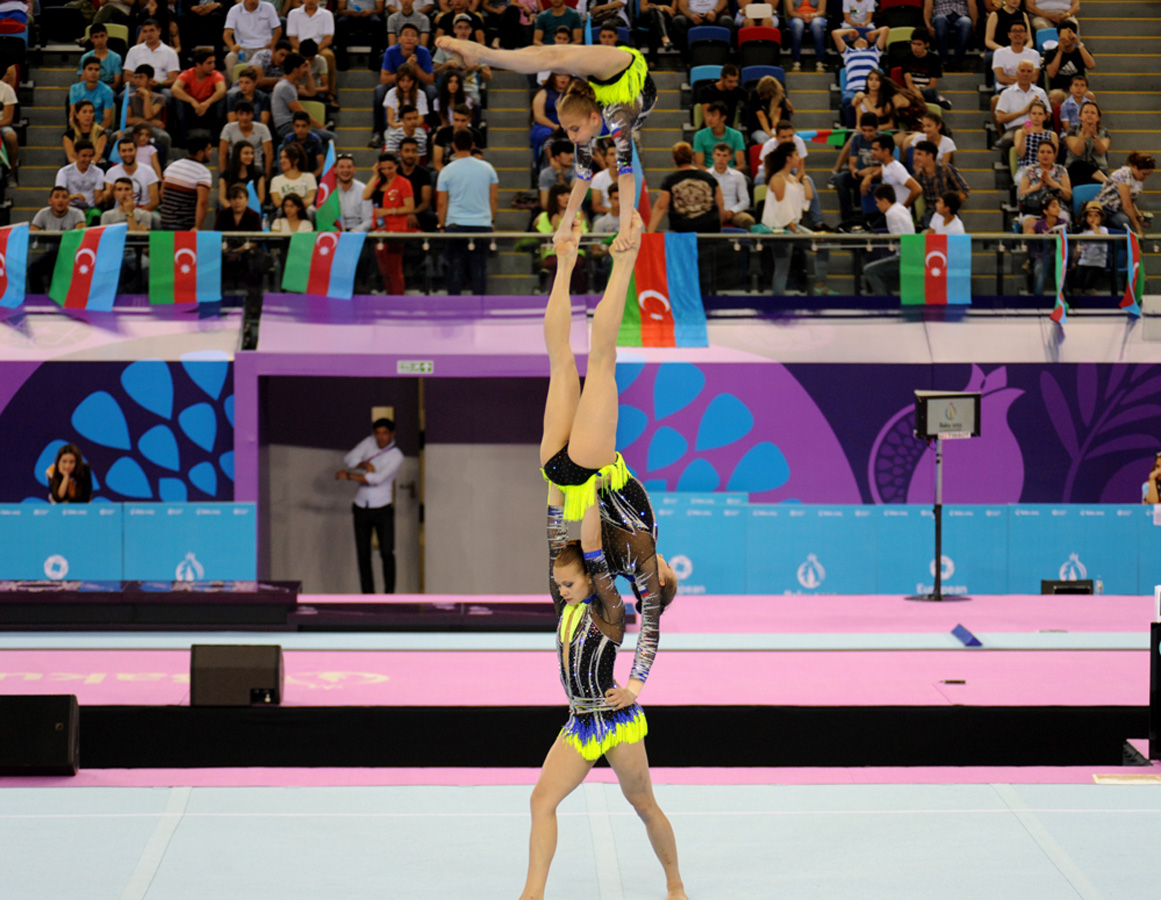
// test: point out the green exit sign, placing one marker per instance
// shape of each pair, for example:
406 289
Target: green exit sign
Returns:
415 367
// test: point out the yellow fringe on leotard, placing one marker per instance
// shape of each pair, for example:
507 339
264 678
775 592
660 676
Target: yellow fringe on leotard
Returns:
579 497
628 86
593 747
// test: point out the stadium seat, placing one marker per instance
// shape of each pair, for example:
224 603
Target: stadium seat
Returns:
898 45
1043 36
900 14
709 46
118 37
759 46
751 75
699 77
1082 195
754 158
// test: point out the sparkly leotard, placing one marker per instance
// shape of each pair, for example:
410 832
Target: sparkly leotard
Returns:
587 639
626 100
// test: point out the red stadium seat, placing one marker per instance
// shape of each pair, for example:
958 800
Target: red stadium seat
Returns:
759 46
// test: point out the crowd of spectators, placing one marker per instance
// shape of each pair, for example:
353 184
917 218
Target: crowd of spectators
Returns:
254 84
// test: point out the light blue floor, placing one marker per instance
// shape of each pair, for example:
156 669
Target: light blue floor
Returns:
943 842
1042 640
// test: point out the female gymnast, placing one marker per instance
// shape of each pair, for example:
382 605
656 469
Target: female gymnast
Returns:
612 86
587 476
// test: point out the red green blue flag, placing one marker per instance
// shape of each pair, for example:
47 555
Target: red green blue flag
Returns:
13 264
88 266
664 306
832 137
323 264
935 269
1135 288
1059 313
328 216
185 267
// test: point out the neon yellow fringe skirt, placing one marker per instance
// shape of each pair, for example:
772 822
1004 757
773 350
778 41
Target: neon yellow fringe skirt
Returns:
579 497
593 734
628 86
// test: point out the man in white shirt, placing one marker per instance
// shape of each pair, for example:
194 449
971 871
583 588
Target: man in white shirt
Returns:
1014 103
151 51
310 21
945 220
890 171
1006 59
374 463
883 274
146 190
357 214
251 25
735 195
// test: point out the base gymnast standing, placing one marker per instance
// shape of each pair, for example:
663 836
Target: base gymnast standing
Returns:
612 87
578 453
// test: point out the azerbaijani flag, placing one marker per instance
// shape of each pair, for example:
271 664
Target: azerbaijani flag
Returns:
935 269
664 308
323 264
1135 288
327 216
1060 309
832 137
185 266
13 264
252 200
88 266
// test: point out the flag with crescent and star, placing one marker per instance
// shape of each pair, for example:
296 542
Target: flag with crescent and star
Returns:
935 269
1059 313
328 216
185 266
88 267
323 264
13 264
1135 287
664 306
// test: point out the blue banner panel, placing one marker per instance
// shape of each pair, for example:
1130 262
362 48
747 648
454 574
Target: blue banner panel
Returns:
975 549
1071 543
190 541
68 541
793 549
704 538
1149 550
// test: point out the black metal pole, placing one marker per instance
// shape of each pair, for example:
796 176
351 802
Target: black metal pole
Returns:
937 594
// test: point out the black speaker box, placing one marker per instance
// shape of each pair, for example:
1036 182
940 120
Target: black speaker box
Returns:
39 735
235 675
1084 586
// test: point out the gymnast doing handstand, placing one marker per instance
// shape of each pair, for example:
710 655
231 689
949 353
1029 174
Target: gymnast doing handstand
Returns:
589 482
611 87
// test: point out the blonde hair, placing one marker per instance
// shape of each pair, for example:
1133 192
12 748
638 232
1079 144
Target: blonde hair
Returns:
579 100
770 90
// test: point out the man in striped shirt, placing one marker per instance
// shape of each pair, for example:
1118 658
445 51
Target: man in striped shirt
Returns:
185 188
858 60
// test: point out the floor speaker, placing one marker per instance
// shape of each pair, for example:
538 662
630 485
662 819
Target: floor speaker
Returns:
39 735
235 675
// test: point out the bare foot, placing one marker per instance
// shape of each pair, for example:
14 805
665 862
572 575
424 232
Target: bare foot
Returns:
467 51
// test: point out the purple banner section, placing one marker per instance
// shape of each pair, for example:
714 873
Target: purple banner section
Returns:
842 433
150 430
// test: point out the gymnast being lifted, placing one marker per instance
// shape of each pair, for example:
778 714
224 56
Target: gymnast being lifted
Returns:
611 86
588 481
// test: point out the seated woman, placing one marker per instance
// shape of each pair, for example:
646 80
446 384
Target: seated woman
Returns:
69 477
612 89
766 107
800 15
787 197
242 169
933 130
545 119
656 17
1119 195
83 127
294 219
1088 146
578 453
451 95
878 98
406 92
1031 135
293 179
1047 179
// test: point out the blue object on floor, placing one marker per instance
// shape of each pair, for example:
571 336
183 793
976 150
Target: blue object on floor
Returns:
966 637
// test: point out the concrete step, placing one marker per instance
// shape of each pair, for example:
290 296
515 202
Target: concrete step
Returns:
1093 27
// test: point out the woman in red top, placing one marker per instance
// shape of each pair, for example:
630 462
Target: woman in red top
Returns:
394 201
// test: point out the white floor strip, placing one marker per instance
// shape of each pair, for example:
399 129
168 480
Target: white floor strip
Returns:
1048 844
604 844
157 844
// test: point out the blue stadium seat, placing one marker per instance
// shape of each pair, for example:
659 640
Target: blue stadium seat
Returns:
709 45
1080 196
1043 36
751 75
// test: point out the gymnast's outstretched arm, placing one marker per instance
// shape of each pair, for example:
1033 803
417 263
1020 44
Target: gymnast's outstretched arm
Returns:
581 61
